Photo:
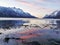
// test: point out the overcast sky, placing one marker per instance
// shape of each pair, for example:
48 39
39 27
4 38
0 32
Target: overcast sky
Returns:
37 8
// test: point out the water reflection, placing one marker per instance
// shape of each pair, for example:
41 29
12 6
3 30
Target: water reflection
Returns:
43 24
7 24
32 33
58 23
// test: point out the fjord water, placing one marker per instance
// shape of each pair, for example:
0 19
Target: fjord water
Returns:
40 31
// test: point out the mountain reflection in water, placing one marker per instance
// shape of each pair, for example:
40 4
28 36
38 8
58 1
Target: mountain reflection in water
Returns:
31 32
41 23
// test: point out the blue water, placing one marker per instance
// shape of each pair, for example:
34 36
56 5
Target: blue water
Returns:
31 32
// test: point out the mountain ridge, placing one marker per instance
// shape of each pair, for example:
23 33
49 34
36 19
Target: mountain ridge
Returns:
53 15
14 12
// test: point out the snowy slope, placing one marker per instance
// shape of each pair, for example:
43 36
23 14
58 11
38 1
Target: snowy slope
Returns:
53 15
14 12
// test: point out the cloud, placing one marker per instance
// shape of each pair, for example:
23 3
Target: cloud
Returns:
40 7
40 3
25 3
48 0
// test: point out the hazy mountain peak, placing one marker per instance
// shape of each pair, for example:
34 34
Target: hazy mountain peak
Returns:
54 15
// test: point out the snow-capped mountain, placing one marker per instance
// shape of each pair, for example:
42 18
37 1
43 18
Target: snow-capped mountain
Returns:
14 12
54 15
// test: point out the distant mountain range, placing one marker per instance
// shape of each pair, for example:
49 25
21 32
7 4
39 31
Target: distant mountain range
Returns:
53 15
14 13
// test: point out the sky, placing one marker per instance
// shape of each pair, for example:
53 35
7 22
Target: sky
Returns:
38 8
